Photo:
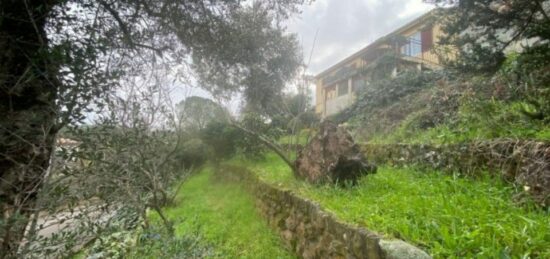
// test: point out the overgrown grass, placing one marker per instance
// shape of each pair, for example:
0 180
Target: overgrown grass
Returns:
451 217
480 120
224 216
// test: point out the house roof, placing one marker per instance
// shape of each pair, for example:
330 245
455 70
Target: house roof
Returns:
377 42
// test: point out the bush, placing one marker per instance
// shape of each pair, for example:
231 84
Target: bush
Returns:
527 77
221 138
387 91
192 153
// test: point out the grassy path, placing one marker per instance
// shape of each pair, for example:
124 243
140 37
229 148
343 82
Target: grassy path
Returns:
224 215
452 217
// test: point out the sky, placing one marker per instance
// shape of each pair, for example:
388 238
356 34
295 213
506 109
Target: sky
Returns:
346 26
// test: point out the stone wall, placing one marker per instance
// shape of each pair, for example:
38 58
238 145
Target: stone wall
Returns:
524 162
311 232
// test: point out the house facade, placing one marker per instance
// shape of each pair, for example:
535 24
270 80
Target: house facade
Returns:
410 47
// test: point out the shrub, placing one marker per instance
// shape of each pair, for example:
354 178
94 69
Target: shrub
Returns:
192 153
221 138
387 91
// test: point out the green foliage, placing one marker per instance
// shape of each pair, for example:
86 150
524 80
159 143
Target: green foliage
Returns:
154 244
451 217
195 113
388 91
386 103
221 137
250 146
292 113
255 56
61 58
475 120
453 109
115 245
484 29
528 80
270 169
223 214
192 153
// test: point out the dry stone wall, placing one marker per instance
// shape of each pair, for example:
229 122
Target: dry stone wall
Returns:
311 232
524 162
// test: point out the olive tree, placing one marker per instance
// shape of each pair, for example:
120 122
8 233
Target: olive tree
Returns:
60 56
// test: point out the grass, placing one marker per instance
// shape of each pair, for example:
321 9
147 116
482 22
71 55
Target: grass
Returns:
451 217
475 121
224 216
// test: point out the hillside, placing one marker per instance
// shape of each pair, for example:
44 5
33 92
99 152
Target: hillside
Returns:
440 108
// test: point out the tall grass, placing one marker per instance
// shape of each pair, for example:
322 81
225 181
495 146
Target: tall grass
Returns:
479 120
451 217
225 217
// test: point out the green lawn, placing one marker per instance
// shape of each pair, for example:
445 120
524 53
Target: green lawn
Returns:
224 216
451 217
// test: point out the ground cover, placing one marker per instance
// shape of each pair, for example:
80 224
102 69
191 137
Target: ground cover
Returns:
482 120
223 214
449 216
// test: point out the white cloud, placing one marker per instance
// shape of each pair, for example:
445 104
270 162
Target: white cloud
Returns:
346 26
414 8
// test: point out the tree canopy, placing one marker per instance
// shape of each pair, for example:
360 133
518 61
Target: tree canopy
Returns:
485 29
196 112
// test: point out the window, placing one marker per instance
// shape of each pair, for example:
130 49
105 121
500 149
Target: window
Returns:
343 88
413 47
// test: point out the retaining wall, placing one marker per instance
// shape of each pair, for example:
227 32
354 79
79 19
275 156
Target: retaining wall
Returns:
310 232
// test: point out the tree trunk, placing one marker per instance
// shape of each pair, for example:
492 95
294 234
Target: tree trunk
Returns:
274 147
27 106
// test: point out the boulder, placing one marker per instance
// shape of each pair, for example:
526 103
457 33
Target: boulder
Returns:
332 157
397 249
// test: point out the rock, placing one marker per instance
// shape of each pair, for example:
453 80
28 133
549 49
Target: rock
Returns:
332 157
397 249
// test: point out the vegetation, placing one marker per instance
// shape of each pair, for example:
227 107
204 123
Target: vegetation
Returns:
451 217
62 59
474 121
101 73
196 112
441 107
483 30
223 214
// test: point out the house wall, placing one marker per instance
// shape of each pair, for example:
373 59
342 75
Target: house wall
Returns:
338 103
319 97
328 102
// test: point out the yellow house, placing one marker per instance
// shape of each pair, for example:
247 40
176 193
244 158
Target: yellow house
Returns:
413 47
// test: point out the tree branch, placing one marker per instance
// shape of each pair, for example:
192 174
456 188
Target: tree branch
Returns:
268 143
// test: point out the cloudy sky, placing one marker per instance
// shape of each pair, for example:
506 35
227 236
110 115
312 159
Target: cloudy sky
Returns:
346 26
